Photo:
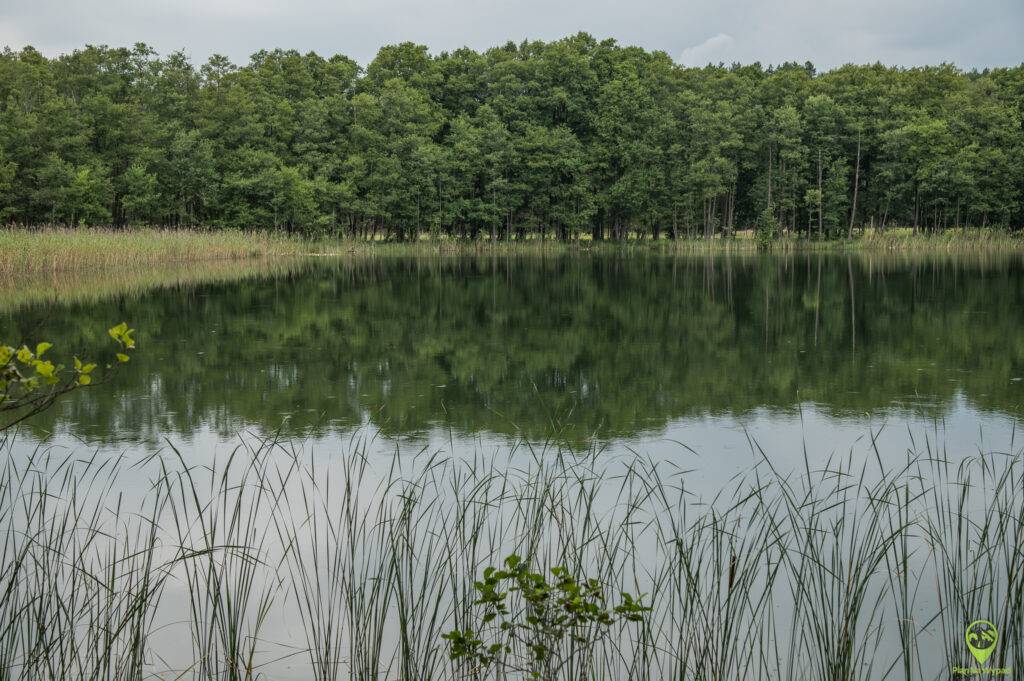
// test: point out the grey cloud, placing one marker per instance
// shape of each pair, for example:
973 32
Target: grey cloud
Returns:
969 33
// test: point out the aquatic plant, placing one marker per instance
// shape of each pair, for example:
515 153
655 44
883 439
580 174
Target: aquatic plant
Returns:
356 566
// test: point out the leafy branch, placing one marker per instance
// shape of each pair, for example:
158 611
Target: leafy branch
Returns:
30 382
552 624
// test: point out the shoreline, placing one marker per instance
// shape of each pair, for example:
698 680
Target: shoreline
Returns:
25 250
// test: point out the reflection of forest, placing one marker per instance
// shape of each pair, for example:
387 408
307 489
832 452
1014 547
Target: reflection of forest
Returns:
605 345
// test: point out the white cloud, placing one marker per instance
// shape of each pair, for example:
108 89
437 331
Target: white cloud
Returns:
713 50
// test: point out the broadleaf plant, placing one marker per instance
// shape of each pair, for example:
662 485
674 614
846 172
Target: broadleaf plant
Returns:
539 626
30 382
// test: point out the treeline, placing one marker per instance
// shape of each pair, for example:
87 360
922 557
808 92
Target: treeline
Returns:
555 139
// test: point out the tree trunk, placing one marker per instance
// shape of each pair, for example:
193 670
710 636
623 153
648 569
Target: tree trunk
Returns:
917 202
856 184
821 225
782 194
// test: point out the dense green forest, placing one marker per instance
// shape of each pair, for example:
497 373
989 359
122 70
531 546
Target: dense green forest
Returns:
558 139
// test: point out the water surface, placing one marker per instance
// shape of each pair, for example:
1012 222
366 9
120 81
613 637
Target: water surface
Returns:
583 350
711 367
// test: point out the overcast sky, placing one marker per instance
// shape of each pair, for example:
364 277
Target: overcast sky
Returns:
969 33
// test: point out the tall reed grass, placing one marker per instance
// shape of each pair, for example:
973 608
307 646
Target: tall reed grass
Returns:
907 240
24 251
272 562
47 249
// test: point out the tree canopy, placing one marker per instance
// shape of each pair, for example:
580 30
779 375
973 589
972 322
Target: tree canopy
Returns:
564 138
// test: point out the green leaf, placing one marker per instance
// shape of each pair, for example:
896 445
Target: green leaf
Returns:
43 347
45 369
117 332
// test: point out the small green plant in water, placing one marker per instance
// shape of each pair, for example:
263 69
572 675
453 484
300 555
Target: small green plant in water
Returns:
30 382
554 624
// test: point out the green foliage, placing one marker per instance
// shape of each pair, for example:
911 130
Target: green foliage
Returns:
538 626
767 229
357 568
139 193
30 382
539 139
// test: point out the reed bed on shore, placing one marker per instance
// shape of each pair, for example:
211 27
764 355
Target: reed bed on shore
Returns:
272 562
24 250
907 240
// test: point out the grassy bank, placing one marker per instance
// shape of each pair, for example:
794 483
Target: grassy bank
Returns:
86 266
37 250
272 563
51 249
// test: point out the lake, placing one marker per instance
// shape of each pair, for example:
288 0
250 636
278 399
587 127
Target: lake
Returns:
586 351
714 367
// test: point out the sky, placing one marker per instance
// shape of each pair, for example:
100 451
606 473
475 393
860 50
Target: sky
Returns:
829 33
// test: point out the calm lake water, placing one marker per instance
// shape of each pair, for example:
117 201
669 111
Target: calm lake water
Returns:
709 366
612 352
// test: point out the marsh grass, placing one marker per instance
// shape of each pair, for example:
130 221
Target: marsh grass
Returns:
24 250
49 249
352 565
83 285
905 239
79 578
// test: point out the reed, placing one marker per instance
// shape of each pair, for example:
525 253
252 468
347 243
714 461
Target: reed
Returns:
49 249
277 562
80 577
25 251
908 240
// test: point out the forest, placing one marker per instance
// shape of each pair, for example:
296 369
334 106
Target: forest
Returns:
576 138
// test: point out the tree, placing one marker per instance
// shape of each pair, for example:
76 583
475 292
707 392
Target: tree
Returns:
554 180
7 175
822 119
481 165
139 194
190 181
533 139
787 157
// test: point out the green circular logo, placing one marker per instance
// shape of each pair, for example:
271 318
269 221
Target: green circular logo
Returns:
981 637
